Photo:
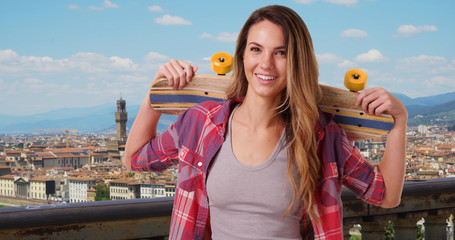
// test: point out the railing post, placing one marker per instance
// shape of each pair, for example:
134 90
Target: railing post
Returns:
435 227
405 227
372 228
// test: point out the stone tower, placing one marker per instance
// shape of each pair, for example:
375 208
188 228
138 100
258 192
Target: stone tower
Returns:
121 116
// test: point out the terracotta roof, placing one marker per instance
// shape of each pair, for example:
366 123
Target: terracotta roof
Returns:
7 176
127 181
81 179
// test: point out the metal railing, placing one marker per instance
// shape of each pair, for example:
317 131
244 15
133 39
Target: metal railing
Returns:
433 200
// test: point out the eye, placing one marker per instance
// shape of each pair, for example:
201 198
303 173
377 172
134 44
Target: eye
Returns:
281 53
254 49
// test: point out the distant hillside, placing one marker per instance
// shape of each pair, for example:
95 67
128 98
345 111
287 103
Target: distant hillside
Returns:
426 101
437 114
94 119
425 110
436 100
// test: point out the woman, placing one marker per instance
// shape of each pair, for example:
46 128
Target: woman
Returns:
254 166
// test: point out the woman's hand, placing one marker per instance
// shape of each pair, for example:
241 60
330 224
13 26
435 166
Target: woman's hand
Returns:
177 72
377 101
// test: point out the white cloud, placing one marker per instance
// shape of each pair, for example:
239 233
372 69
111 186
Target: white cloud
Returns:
304 1
410 30
109 4
125 63
155 8
106 4
221 37
338 2
73 6
134 78
372 55
426 64
32 80
342 2
154 57
78 80
8 55
95 8
326 58
443 80
172 20
346 64
354 33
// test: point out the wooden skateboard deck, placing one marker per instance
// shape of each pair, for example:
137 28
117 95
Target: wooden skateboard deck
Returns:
339 102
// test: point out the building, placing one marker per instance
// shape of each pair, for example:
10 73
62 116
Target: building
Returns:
7 185
91 194
41 188
73 158
124 189
121 117
78 188
4 170
62 193
21 187
170 188
115 148
14 160
153 189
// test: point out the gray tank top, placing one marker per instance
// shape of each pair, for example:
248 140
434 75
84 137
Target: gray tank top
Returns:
249 202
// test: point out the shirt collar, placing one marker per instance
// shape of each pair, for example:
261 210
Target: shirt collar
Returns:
223 115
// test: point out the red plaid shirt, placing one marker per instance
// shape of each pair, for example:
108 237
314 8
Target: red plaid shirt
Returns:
196 136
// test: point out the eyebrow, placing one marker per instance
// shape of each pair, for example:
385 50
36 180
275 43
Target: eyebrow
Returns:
257 44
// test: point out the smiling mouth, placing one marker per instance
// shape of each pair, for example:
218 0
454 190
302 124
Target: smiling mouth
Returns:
266 78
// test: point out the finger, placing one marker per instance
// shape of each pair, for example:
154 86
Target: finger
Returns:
176 72
362 95
380 110
164 73
367 101
186 73
373 107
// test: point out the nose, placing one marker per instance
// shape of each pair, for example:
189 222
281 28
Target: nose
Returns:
267 61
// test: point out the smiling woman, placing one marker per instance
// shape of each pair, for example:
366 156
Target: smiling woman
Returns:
266 157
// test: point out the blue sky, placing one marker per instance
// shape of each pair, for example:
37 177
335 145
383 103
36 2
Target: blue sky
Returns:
60 54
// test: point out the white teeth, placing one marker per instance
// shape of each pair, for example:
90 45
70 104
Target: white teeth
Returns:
263 77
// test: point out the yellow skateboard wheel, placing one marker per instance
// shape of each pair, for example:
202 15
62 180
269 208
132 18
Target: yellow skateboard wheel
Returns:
221 63
355 80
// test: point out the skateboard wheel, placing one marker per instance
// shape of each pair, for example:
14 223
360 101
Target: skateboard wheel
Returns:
221 63
355 80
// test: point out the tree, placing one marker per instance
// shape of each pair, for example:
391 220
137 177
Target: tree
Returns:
102 192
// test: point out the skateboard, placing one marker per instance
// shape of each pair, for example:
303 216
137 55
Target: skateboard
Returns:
339 102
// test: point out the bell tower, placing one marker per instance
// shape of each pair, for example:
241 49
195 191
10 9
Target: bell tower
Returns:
121 116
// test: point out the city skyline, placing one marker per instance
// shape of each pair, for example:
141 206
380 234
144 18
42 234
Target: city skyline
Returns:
66 54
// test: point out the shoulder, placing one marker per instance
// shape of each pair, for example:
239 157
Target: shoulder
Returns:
327 128
208 108
333 138
213 111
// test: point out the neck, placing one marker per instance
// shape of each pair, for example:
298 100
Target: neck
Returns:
259 114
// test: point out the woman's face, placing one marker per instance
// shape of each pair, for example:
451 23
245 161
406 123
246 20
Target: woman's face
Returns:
265 60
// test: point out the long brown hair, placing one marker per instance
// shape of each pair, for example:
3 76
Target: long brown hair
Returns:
298 107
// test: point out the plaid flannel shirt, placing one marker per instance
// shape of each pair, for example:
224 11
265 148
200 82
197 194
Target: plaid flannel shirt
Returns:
196 136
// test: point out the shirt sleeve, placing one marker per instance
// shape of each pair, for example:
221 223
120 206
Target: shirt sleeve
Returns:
160 153
360 176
